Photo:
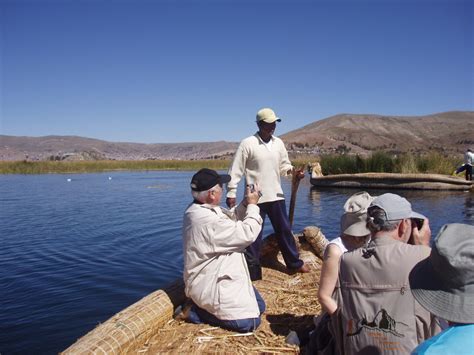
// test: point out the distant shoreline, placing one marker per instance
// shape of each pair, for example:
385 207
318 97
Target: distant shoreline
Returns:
76 167
333 164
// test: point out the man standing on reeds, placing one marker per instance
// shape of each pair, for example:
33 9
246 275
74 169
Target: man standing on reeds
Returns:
216 276
377 313
261 159
467 166
468 161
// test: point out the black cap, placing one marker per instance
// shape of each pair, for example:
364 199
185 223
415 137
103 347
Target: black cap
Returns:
205 178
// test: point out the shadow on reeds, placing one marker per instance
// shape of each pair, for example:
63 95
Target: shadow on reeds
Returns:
269 256
282 324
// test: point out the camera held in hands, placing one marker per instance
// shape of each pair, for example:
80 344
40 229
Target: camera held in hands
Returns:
252 189
418 222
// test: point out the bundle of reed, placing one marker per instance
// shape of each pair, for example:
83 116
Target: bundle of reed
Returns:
316 238
393 181
128 330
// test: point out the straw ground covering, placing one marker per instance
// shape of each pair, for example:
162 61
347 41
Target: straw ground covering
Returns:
291 300
148 327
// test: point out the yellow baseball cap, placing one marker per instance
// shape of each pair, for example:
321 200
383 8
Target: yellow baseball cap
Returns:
267 115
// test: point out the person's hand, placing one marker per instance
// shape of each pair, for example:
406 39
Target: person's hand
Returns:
252 197
298 173
230 202
422 236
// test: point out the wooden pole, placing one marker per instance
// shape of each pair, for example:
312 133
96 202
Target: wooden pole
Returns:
295 183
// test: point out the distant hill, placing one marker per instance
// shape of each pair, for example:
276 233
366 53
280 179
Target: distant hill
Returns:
80 148
449 132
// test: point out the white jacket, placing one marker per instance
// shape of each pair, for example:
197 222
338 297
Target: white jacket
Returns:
260 165
469 158
216 276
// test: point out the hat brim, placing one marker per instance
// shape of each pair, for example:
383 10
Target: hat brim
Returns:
354 224
453 305
270 120
224 178
358 229
417 215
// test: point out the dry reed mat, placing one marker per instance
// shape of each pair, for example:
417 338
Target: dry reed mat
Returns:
291 300
394 181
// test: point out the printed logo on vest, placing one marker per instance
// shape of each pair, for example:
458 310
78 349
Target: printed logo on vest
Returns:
382 322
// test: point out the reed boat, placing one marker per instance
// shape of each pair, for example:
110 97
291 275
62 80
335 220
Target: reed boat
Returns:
392 181
148 326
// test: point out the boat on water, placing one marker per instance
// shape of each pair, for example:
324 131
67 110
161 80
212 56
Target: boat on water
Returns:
392 181
148 327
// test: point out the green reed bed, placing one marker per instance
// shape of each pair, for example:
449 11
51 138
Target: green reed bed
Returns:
381 162
331 164
45 167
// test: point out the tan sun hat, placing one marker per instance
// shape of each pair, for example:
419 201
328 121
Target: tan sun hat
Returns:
354 220
267 115
358 202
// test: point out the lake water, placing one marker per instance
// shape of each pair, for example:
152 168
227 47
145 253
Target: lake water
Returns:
73 253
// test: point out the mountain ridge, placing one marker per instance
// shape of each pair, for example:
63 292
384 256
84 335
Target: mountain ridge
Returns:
447 132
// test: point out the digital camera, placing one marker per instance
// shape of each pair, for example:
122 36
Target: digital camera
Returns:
252 189
418 222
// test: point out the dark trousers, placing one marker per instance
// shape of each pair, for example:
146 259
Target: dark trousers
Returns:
198 315
468 172
276 211
468 169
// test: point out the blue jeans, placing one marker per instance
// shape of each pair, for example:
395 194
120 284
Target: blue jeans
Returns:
198 315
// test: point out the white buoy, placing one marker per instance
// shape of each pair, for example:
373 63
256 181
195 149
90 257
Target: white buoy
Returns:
69 180
110 177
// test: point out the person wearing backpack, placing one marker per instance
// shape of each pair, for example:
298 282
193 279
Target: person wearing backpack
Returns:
376 311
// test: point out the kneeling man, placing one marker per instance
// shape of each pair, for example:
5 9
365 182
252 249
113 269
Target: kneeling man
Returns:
216 275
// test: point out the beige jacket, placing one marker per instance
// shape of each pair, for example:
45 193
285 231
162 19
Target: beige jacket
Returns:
216 276
259 164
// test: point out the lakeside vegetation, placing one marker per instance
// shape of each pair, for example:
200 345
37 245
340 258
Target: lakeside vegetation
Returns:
331 164
61 167
381 162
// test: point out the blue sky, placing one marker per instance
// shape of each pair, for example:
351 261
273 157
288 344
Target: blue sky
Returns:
182 71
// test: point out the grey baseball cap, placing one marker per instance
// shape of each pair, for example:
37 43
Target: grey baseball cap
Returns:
395 207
